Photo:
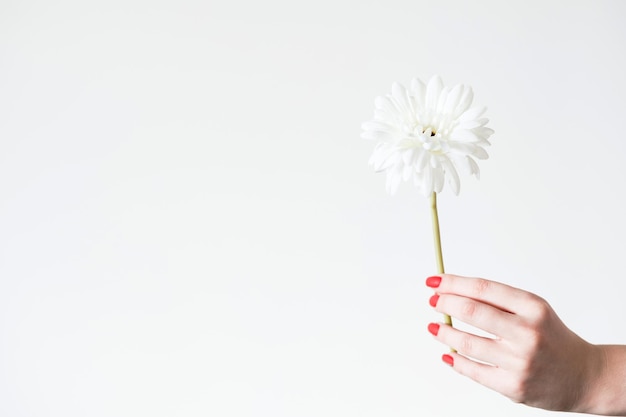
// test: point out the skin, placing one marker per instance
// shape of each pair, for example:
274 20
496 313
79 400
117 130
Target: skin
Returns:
532 358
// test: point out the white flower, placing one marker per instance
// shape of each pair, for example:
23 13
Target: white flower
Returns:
425 133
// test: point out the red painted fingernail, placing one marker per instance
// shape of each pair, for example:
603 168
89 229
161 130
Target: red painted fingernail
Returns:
448 359
433 282
433 300
433 328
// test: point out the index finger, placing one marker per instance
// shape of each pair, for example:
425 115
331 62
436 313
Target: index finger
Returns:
497 294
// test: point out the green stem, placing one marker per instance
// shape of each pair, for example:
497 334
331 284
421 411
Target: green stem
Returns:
439 256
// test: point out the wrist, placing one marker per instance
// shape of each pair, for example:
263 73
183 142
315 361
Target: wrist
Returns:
604 381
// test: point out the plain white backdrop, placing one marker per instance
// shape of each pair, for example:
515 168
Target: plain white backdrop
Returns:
189 227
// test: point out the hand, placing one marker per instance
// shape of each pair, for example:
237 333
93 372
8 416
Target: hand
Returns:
532 358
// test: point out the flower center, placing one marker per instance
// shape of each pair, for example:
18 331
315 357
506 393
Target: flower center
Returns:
432 141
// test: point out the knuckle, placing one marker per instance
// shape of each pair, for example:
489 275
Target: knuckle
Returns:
539 306
480 287
472 372
466 344
469 309
541 310
531 343
525 366
534 343
518 391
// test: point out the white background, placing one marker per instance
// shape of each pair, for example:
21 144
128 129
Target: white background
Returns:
189 227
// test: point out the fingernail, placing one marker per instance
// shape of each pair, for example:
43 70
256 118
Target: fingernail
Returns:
433 300
448 359
433 282
433 328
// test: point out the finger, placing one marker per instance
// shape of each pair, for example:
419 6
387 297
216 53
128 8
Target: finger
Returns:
489 376
477 347
502 296
478 314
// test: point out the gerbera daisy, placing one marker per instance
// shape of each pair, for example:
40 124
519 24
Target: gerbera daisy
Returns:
426 134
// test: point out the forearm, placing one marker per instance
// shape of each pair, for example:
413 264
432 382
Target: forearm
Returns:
605 391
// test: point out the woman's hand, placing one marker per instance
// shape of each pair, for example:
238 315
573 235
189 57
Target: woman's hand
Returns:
532 358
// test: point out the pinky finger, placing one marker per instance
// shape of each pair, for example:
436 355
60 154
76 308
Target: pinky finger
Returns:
487 375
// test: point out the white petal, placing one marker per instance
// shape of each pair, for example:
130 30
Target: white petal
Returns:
472 114
480 153
463 135
462 148
421 160
418 179
474 167
384 103
418 88
482 121
434 163
406 143
415 156
452 100
401 97
407 172
392 184
386 110
407 156
376 125
438 179
441 102
464 102
381 152
433 91
453 176
470 124
406 101
427 182
384 158
483 132
383 116
461 163
379 136
393 180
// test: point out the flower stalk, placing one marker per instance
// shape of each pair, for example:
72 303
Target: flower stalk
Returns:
438 254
